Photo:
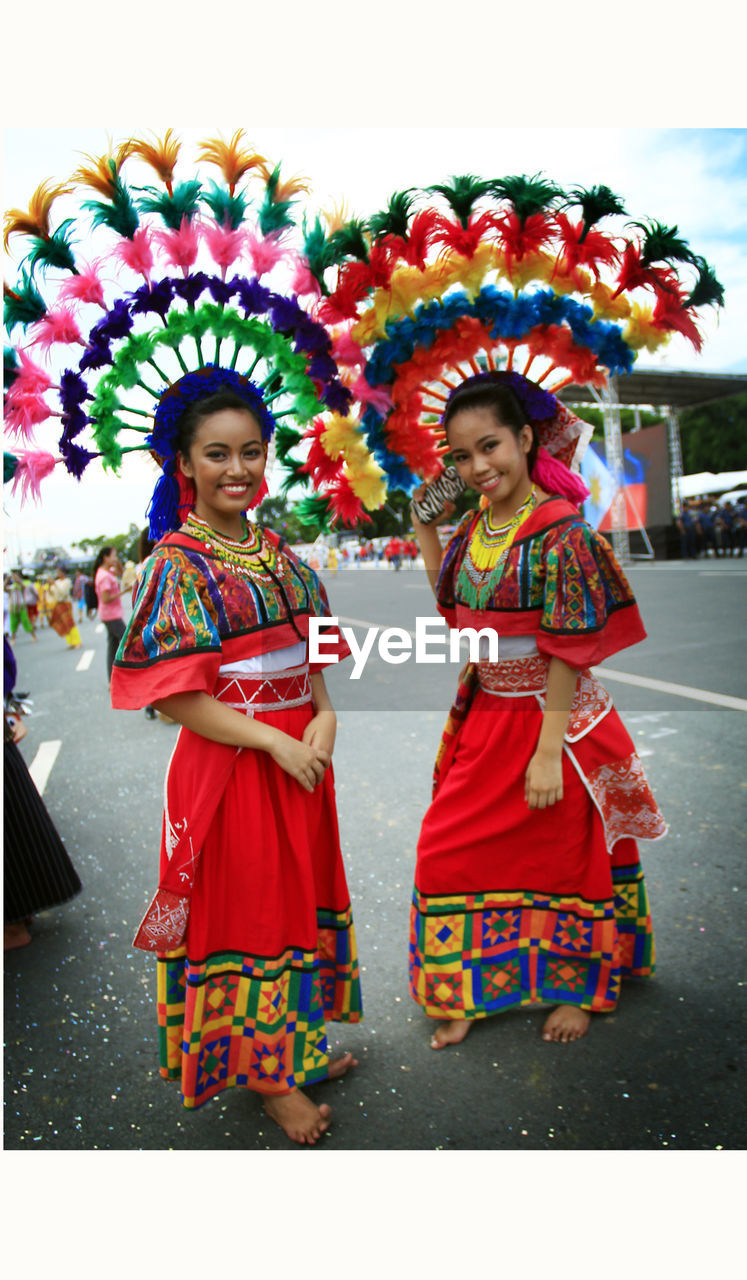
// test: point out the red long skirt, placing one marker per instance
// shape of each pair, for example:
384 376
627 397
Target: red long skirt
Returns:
269 951
516 906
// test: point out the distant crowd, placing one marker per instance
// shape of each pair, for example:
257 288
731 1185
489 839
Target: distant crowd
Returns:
707 525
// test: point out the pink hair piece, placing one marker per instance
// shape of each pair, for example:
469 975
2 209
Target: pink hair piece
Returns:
377 396
22 413
31 469
56 326
554 477
224 244
265 252
84 287
181 247
137 253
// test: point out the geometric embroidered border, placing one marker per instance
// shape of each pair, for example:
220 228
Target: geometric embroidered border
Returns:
238 1020
472 955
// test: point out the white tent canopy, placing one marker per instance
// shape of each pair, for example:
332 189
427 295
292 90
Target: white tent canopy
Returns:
708 482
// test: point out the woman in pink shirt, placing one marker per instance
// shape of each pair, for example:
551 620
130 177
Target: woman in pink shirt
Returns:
109 599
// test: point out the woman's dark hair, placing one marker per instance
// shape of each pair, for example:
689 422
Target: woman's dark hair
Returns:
145 545
196 413
103 553
505 405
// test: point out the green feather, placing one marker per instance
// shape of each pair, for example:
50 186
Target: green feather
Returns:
54 251
295 475
225 208
663 244
10 462
392 221
707 291
119 213
349 242
316 250
273 214
24 305
184 203
285 440
596 202
314 510
527 195
461 194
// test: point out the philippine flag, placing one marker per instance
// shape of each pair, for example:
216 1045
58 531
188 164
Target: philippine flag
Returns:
600 481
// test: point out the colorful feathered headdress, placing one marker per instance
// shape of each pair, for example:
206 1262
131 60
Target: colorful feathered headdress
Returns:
355 330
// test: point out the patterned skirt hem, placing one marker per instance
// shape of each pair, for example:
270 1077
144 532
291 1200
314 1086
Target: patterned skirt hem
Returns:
474 955
236 1021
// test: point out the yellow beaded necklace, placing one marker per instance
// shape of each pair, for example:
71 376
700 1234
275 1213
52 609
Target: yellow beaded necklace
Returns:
489 545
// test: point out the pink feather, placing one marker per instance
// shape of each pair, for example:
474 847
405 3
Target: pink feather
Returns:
304 283
137 253
265 252
31 469
85 287
56 326
22 413
347 351
377 396
224 244
31 379
181 247
554 477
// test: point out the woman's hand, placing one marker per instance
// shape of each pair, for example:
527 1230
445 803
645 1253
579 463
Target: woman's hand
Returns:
303 762
543 782
417 495
321 731
18 728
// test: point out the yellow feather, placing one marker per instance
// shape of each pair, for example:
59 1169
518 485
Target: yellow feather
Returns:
161 154
641 332
471 272
368 483
98 174
336 217
35 220
605 307
339 433
287 189
372 323
232 158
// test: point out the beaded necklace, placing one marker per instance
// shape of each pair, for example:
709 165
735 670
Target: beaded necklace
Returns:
487 551
255 557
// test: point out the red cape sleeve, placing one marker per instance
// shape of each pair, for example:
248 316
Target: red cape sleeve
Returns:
589 610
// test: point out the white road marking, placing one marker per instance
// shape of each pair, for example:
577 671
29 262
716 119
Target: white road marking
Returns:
99 627
85 660
42 764
622 677
678 690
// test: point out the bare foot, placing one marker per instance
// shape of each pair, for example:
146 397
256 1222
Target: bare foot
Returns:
338 1066
565 1023
298 1116
15 935
452 1032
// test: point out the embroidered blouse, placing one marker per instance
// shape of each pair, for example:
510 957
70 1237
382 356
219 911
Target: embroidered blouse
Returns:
560 582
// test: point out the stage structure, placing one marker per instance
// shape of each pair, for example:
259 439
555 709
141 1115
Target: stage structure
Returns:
652 389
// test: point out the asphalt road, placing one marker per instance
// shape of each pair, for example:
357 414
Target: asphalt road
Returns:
665 1071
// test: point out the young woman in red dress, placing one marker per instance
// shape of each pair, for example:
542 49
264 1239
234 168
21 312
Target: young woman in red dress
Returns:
251 921
528 886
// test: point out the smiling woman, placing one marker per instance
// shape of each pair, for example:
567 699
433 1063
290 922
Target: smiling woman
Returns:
222 451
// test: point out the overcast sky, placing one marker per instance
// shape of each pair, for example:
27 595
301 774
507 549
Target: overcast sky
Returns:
694 178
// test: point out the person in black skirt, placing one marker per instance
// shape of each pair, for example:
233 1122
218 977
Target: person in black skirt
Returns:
37 871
